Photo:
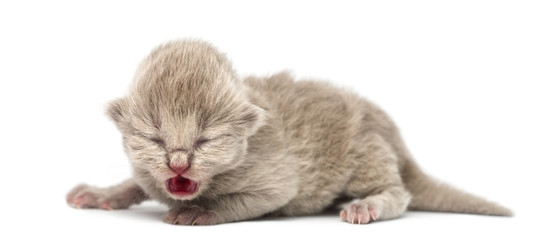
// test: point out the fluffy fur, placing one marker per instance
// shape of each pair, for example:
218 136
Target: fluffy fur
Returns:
261 146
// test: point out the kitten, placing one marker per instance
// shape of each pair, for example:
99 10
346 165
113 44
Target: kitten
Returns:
216 149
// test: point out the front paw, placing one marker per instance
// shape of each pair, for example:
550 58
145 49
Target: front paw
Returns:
85 196
191 215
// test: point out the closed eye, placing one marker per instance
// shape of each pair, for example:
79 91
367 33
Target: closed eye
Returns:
200 142
158 141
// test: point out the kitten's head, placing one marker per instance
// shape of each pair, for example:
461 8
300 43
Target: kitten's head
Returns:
186 119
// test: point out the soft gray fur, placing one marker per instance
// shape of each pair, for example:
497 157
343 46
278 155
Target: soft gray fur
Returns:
261 146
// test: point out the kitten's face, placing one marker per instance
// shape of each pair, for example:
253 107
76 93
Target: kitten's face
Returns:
186 119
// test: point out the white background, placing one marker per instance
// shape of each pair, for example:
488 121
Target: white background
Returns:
471 84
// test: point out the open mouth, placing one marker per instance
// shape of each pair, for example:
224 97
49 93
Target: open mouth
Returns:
181 186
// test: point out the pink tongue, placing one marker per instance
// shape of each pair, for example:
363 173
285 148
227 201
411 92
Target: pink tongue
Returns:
181 186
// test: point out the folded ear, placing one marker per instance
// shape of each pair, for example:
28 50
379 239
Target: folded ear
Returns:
115 110
252 119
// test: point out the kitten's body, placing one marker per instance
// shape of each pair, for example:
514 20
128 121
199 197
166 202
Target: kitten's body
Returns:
328 137
275 145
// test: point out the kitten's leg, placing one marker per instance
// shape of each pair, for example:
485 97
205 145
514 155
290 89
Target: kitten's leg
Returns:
228 208
119 196
378 182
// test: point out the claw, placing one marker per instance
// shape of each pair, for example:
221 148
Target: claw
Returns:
194 222
107 206
373 216
175 222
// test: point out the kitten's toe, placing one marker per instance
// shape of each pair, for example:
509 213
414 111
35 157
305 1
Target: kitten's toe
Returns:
192 215
85 199
70 197
359 213
106 206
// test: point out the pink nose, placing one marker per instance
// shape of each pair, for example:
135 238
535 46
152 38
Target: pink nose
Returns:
179 169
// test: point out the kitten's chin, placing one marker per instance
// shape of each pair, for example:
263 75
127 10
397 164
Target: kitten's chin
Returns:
182 188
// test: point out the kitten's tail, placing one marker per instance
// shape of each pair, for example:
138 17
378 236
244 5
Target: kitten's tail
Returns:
432 195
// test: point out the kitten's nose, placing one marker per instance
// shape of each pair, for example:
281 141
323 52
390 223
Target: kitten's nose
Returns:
178 161
179 169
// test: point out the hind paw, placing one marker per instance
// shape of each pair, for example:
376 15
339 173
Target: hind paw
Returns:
359 213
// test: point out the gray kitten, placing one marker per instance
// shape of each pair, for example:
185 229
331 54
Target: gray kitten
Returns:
216 149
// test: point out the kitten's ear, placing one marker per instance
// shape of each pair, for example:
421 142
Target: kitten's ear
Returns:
252 119
115 110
